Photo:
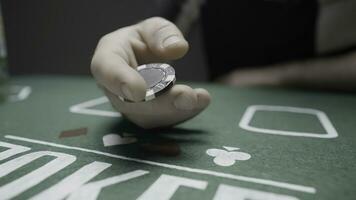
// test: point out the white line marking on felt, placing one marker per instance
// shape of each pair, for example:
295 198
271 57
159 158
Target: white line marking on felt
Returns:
21 93
92 190
84 108
72 182
284 185
228 192
13 150
165 187
323 118
17 186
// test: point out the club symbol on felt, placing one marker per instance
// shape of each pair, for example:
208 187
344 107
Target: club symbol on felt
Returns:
227 157
113 139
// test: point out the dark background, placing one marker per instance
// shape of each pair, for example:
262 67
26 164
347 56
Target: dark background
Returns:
59 37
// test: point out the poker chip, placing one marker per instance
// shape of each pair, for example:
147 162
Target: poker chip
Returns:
159 77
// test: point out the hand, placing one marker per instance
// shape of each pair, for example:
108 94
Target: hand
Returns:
120 52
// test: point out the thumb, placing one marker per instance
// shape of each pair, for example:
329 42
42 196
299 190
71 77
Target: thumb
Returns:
163 38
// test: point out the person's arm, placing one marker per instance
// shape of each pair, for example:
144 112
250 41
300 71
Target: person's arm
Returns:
338 72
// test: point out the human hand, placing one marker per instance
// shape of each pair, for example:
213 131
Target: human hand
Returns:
113 66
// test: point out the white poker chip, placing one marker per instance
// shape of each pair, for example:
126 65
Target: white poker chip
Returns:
159 77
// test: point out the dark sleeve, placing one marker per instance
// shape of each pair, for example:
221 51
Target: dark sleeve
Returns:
248 33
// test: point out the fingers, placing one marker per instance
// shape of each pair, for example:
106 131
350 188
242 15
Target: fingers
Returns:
111 69
184 97
180 98
187 99
203 98
179 104
163 38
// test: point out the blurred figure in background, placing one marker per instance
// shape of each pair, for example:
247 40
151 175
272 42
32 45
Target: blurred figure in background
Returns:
293 42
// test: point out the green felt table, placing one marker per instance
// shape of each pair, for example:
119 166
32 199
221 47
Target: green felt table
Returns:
250 143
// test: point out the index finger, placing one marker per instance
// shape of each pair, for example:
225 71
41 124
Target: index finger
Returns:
111 68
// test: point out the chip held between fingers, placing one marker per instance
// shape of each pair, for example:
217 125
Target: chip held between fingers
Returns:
159 78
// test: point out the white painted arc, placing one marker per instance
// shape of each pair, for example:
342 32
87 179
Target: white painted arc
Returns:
295 187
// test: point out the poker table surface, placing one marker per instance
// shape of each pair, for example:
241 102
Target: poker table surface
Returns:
60 139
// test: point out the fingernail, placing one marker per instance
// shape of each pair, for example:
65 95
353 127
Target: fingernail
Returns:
184 102
127 93
171 40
